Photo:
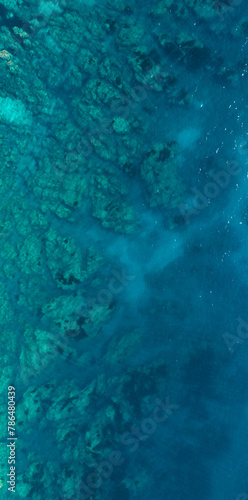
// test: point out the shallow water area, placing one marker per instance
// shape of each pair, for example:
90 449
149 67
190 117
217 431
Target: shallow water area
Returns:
123 226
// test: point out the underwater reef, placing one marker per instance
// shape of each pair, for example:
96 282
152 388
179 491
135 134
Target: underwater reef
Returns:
91 98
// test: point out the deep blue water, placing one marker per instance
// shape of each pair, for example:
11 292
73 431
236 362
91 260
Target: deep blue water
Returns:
124 264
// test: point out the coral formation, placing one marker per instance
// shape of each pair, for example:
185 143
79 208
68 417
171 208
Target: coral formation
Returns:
83 148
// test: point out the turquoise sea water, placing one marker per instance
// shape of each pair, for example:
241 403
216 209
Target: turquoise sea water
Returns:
123 226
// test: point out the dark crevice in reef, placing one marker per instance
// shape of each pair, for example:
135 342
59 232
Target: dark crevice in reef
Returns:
10 19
